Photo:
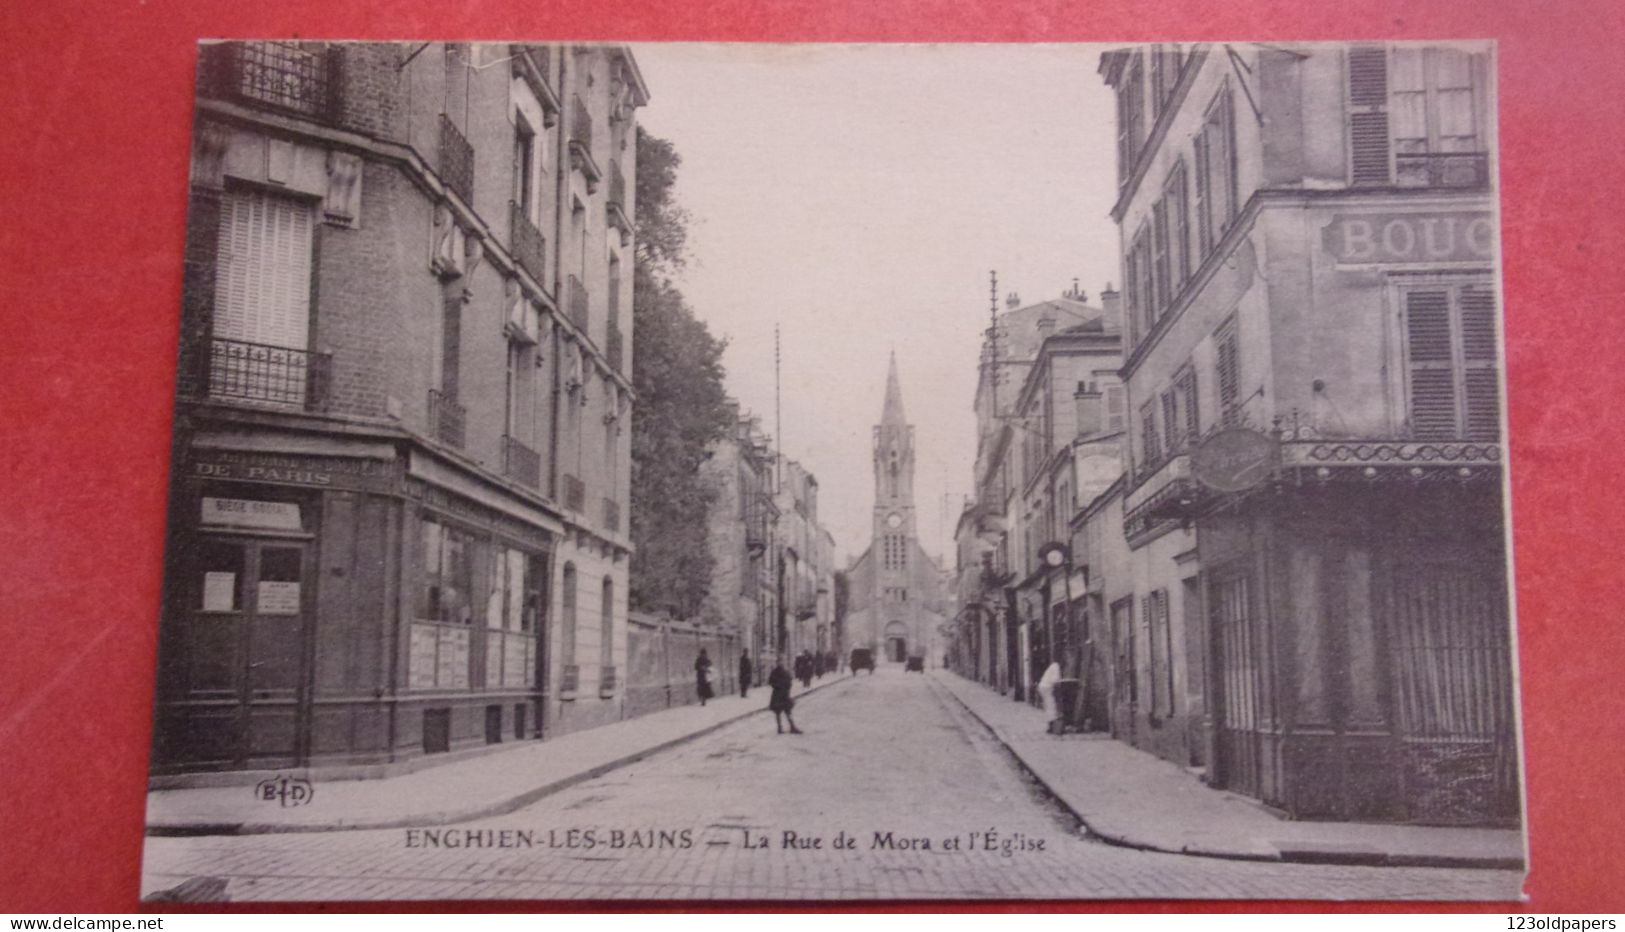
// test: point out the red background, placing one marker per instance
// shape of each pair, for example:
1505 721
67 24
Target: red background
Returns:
95 108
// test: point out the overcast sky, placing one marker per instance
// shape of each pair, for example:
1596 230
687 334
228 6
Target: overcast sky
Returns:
857 196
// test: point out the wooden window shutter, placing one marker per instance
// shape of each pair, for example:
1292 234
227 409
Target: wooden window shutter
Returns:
1368 115
262 291
1187 391
1229 373
1479 373
1115 405
1430 358
1148 434
1204 198
1179 206
1170 420
1160 259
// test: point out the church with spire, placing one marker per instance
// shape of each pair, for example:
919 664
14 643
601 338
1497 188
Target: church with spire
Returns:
896 589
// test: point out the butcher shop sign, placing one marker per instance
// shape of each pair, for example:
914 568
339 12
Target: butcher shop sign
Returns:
1385 238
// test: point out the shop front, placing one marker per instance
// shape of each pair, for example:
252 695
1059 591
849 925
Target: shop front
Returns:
1360 645
323 610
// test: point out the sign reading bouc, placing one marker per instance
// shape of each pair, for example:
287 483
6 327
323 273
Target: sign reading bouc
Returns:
1234 459
1450 236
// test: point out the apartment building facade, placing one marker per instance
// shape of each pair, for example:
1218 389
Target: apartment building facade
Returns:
1314 602
401 458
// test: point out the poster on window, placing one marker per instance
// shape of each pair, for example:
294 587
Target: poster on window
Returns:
451 668
422 664
277 598
219 591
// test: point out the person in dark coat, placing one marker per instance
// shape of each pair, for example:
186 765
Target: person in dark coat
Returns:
744 673
803 668
779 702
702 675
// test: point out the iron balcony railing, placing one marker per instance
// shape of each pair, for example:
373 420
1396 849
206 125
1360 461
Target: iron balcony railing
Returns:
528 243
1442 169
575 493
521 463
447 418
293 76
456 160
612 515
615 346
578 304
237 370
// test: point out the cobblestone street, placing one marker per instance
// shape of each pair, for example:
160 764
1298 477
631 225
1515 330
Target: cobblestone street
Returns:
888 761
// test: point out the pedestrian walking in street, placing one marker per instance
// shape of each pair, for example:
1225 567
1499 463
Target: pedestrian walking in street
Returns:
780 703
1046 695
744 673
702 674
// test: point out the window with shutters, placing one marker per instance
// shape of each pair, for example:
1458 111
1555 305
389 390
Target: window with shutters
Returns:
524 165
1166 64
1124 679
1160 278
1227 373
261 324
1131 127
1116 409
1176 196
1185 385
1216 179
1172 429
1141 284
1453 379
1150 438
1415 117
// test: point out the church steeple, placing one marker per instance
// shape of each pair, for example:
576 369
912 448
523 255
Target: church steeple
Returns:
892 414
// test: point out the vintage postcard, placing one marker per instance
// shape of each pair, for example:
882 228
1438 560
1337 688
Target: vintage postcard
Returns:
818 472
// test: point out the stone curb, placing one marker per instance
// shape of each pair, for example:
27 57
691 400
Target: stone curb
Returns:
500 807
1364 857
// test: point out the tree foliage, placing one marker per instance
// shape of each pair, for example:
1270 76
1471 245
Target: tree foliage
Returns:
682 406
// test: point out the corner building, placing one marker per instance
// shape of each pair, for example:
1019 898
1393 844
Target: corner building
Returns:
401 460
1309 242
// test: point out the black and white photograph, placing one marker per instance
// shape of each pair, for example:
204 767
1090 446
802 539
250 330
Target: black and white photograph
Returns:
699 472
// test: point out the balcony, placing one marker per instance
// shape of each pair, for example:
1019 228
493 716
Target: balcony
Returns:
606 682
1406 461
616 205
612 515
579 302
237 370
1442 169
581 159
520 463
456 160
575 493
447 419
294 76
614 347
528 244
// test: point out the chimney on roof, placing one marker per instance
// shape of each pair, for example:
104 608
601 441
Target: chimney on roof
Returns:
1012 301
1111 306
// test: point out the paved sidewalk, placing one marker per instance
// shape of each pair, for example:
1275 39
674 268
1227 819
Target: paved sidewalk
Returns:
1128 797
475 787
